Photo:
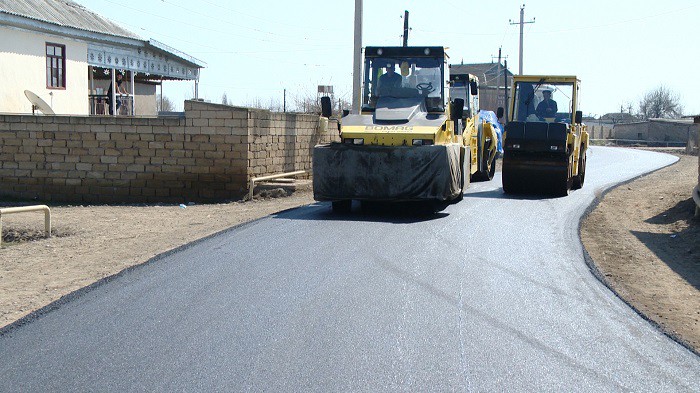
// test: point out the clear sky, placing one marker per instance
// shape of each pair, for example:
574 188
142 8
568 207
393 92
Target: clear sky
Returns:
255 49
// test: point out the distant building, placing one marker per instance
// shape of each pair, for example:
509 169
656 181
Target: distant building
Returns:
620 117
491 82
656 132
602 128
68 56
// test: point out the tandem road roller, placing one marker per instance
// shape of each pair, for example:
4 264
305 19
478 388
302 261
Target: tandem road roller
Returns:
410 141
545 139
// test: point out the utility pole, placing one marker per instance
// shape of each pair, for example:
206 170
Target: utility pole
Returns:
521 23
405 28
284 100
357 60
505 95
505 83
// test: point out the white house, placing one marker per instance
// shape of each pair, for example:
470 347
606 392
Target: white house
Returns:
68 56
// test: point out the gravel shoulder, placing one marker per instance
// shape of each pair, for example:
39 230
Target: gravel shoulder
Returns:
641 236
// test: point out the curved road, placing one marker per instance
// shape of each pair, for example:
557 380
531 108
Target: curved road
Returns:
492 294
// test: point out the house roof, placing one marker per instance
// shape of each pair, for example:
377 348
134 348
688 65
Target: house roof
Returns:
487 73
64 13
620 117
109 44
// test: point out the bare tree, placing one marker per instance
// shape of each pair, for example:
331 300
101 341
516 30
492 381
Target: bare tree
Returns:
164 104
660 103
311 103
273 104
307 103
224 99
255 103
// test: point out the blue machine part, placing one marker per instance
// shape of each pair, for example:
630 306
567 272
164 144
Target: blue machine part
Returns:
490 117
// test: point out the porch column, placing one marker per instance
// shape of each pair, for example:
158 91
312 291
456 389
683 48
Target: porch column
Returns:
113 104
161 95
91 100
133 94
196 86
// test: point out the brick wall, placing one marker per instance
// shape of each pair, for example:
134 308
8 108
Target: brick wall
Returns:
210 154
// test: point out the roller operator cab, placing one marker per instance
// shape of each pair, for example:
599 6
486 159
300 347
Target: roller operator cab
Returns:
408 143
545 140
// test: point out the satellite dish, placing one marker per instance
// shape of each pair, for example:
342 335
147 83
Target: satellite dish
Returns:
38 103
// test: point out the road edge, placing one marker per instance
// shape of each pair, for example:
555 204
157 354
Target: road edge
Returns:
593 267
57 304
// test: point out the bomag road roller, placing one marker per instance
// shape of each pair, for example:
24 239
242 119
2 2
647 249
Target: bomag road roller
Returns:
484 141
409 141
545 139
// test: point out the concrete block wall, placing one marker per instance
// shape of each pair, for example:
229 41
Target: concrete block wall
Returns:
208 155
657 131
631 131
599 130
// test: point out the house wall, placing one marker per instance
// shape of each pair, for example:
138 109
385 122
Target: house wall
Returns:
146 99
491 98
23 65
210 154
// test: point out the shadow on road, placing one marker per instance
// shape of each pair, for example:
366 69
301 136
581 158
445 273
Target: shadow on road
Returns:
389 212
499 194
680 251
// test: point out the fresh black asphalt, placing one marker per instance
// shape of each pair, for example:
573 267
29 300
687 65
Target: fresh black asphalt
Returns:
491 294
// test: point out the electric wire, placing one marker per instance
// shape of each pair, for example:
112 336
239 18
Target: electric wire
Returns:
206 28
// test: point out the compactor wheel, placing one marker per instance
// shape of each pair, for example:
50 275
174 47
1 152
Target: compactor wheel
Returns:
343 206
492 168
465 177
581 177
562 185
510 185
488 167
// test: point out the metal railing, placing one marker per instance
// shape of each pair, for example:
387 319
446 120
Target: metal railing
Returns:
99 104
269 177
22 209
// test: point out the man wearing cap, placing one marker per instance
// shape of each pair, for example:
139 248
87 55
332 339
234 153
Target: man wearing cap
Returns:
388 80
548 107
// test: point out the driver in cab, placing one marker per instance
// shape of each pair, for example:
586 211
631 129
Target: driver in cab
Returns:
388 80
548 107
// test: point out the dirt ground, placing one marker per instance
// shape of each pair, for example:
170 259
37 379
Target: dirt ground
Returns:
641 236
644 240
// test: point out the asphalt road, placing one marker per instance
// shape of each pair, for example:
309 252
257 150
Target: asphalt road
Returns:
492 294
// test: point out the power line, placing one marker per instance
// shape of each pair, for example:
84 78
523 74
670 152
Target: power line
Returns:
267 20
462 33
241 53
453 32
217 50
616 23
220 20
180 22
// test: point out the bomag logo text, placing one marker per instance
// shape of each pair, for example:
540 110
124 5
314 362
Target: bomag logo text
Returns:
389 128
